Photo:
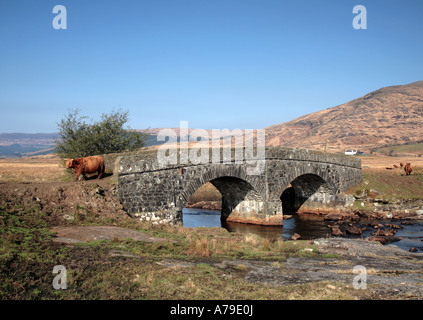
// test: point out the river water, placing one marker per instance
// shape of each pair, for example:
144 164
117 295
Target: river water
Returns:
308 226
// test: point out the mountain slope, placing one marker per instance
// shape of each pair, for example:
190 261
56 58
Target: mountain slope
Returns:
391 115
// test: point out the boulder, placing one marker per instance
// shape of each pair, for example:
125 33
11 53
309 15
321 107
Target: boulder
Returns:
333 217
373 193
377 225
407 223
384 233
336 231
393 226
384 239
354 230
296 236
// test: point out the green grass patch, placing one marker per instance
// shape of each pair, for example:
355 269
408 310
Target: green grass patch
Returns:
391 185
412 148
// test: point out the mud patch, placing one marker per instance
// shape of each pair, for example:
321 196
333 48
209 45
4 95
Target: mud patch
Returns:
67 201
77 234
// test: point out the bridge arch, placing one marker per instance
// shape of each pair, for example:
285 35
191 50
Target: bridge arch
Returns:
239 191
300 190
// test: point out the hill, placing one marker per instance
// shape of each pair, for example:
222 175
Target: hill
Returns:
388 116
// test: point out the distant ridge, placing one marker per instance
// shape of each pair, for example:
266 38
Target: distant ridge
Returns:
16 145
7 139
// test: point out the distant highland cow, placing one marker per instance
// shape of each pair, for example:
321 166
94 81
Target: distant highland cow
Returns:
408 169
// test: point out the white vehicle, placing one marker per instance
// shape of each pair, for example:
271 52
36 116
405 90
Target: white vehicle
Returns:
351 152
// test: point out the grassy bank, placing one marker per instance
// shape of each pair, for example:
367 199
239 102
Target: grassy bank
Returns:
389 191
185 264
401 150
391 184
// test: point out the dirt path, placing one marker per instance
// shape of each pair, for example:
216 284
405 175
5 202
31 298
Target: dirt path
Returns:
77 234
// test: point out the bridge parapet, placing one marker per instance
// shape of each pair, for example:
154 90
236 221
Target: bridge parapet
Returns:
146 161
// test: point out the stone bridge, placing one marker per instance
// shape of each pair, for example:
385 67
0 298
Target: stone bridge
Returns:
291 180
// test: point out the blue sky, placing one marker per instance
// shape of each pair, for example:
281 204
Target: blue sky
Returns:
215 63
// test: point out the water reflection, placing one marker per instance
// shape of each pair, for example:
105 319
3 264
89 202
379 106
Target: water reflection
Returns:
200 218
308 226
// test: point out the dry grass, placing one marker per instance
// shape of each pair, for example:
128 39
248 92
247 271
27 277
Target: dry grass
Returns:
34 169
393 183
218 243
382 162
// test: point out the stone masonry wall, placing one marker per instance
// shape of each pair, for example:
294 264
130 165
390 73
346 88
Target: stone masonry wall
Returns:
155 192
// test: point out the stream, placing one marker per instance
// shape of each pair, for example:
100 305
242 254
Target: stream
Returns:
308 226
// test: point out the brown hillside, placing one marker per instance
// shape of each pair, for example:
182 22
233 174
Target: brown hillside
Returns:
391 115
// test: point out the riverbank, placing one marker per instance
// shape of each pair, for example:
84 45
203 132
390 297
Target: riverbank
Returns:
405 233
381 204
